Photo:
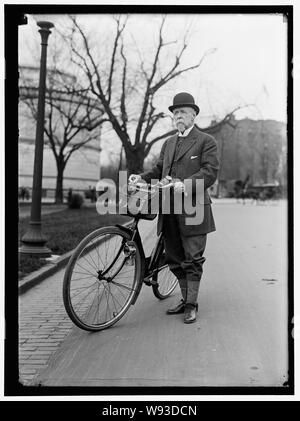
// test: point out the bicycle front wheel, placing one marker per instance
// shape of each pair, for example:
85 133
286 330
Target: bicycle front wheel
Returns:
101 278
165 282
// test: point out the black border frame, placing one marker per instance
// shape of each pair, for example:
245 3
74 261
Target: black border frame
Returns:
13 17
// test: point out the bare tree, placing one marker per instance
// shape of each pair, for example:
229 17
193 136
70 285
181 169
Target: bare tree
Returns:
72 117
120 84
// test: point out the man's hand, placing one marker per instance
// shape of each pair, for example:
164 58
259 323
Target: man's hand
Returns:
134 178
179 187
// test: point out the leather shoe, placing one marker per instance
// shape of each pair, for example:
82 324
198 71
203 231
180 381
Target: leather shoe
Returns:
179 308
190 315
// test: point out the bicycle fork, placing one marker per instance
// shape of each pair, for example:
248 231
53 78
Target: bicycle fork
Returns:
131 245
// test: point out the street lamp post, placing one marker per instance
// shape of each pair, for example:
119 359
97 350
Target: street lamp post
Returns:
33 241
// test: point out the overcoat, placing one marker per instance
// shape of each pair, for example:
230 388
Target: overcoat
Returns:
197 159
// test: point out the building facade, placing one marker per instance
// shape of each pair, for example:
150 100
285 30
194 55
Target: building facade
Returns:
82 169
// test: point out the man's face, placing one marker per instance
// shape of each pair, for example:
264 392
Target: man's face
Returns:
184 118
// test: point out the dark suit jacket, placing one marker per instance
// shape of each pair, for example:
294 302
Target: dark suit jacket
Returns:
197 159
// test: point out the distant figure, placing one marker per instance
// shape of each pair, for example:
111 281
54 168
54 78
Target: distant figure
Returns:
24 193
27 194
90 194
93 196
240 188
70 193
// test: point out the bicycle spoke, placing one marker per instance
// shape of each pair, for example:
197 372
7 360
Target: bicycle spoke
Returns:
126 271
99 286
85 269
98 304
92 266
123 275
106 303
80 279
82 273
102 294
106 251
89 293
90 309
114 299
95 265
77 294
99 258
123 286
122 293
96 312
84 287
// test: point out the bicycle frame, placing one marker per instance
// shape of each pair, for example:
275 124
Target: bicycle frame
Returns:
99 281
149 263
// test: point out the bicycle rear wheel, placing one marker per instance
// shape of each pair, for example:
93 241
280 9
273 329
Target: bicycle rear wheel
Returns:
101 279
165 282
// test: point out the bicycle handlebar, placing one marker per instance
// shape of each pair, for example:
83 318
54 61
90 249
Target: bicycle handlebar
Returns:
146 187
152 188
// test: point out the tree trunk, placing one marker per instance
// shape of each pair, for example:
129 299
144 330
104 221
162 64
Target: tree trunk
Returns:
59 194
135 160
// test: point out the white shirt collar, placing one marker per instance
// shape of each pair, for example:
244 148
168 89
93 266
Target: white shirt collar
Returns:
186 132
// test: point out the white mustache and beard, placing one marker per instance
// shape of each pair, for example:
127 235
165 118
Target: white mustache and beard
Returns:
180 126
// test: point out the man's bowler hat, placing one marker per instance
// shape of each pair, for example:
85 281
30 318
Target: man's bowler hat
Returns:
183 99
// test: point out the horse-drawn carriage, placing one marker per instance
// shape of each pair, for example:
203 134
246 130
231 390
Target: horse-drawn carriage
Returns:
258 192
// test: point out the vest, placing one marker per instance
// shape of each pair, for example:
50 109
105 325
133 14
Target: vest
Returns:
173 168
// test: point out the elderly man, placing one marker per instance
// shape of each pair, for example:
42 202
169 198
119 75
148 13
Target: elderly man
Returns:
189 154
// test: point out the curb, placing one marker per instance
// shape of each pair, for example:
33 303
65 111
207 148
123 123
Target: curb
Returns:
49 269
44 272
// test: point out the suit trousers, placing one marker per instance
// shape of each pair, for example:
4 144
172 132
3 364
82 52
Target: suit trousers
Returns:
184 256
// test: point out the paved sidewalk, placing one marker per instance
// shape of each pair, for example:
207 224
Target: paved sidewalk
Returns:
43 321
43 324
239 339
240 336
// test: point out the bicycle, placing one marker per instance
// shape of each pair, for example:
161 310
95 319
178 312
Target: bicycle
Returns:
105 274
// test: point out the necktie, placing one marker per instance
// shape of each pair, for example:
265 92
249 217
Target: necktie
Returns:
172 171
178 145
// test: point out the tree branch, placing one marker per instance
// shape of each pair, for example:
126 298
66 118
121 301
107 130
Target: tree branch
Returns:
100 94
210 129
120 29
123 92
148 91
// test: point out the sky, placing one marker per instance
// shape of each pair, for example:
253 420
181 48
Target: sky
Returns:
244 64
246 61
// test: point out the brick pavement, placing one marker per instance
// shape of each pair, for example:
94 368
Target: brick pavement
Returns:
43 321
43 325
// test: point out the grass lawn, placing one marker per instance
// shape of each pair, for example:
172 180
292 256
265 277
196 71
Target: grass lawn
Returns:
64 230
